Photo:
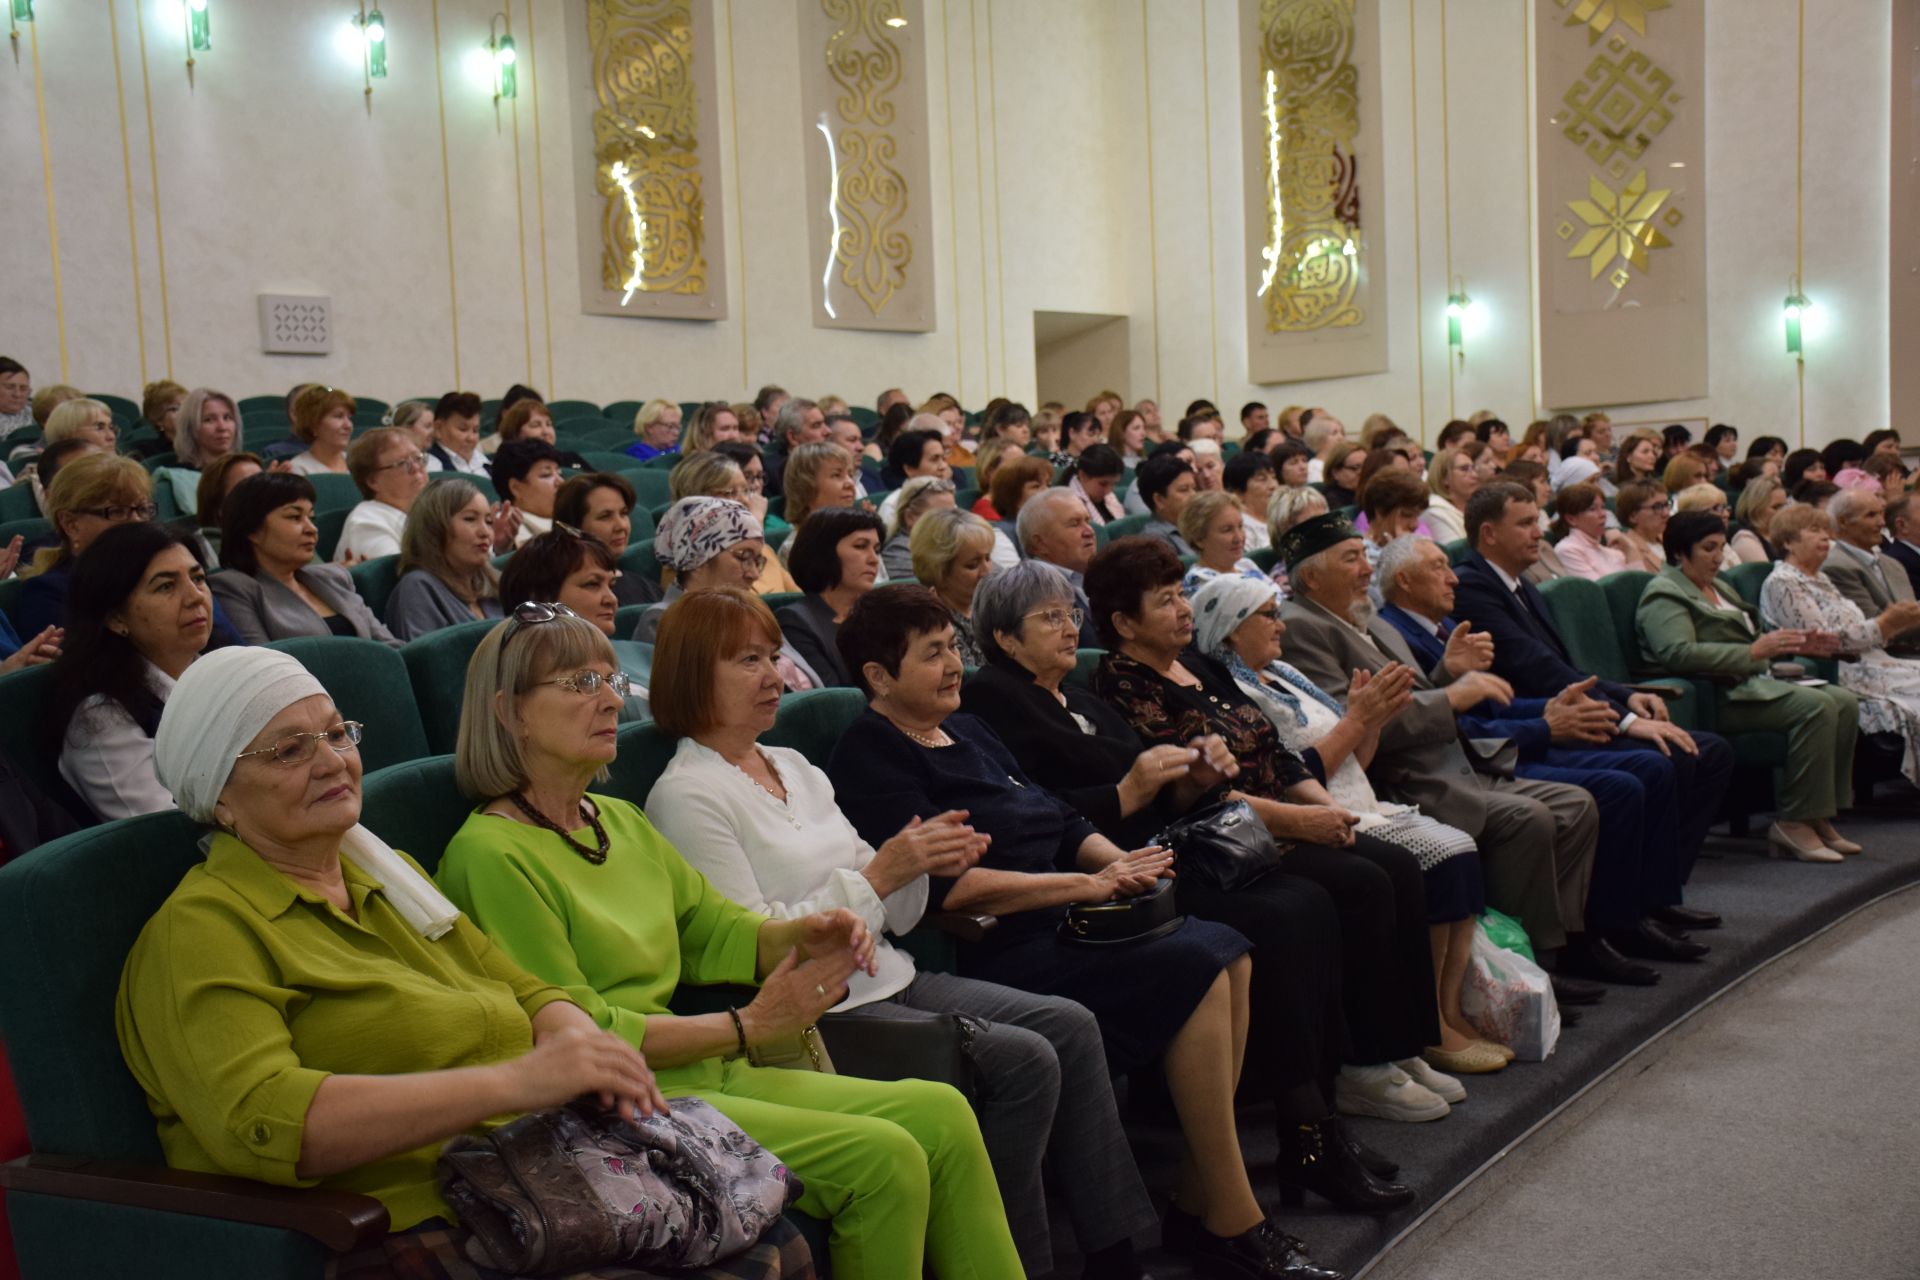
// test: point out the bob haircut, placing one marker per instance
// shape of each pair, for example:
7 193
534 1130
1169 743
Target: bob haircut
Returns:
1795 520
512 658
311 406
1201 512
423 541
515 461
651 412
705 474
697 630
1100 462
542 566
1699 497
939 537
1003 601
211 494
1010 481
1635 495
576 495
72 417
1753 498
1578 498
157 396
1684 470
514 420
1393 490
97 480
1687 530
1242 467
364 454
1122 574
698 436
908 448
814 561
186 428
915 494
247 508
800 482
1289 506
881 626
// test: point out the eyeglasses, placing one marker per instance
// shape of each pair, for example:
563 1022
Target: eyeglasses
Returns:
298 748
140 511
1058 619
589 682
412 462
1271 613
529 613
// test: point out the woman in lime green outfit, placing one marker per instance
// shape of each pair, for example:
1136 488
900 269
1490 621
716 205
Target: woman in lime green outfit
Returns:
584 893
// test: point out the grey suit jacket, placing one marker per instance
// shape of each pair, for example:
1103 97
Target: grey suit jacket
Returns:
1420 760
1872 592
263 610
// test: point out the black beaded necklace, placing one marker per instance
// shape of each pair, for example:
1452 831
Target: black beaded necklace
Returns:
596 856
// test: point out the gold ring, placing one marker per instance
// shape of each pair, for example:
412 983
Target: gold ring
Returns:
819 989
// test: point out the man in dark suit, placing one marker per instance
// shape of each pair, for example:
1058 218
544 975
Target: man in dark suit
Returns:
1503 529
1903 534
1636 864
844 430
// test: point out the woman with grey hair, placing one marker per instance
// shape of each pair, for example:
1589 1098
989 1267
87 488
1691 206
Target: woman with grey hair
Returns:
916 497
446 562
1237 624
953 553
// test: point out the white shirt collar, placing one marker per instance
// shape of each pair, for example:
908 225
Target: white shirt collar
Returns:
1433 628
1513 583
1859 553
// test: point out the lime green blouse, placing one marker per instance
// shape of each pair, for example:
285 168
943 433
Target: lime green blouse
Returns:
246 990
618 937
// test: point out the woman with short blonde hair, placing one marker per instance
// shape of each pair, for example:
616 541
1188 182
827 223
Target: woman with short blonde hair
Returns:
1761 503
82 419
952 554
818 475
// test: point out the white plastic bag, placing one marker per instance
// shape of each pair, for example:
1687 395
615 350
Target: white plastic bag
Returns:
1509 999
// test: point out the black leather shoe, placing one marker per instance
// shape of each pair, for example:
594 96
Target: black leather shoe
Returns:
1183 1233
1315 1157
1376 1164
1588 956
1568 991
1259 1253
1569 1018
1680 917
1654 942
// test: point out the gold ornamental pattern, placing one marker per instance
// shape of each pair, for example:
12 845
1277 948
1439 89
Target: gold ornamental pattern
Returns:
871 248
1311 265
646 153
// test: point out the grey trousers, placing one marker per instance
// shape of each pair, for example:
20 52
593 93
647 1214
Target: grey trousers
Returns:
1536 851
1042 1071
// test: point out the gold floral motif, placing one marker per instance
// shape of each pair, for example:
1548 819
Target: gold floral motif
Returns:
1598 16
871 248
646 156
1619 106
1618 225
1312 262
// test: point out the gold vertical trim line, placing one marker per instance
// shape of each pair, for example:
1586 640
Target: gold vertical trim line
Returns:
153 168
1533 208
953 216
446 190
520 222
1446 202
980 199
540 198
1153 234
1206 138
739 192
1799 225
46 169
999 240
126 170
1419 294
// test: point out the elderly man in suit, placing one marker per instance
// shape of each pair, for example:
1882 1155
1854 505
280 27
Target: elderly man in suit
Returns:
1536 839
1903 536
1636 870
1504 530
1859 564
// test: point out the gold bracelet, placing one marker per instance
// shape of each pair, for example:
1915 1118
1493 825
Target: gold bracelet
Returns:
739 1031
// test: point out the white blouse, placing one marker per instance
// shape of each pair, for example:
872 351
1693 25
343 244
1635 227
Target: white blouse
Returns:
784 858
305 464
372 529
108 760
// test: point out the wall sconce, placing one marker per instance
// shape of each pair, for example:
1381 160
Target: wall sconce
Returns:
1796 308
18 11
1458 304
23 10
372 28
506 80
199 32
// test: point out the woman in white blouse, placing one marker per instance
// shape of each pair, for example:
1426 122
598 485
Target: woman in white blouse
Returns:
390 471
1453 479
1798 596
139 613
761 823
323 417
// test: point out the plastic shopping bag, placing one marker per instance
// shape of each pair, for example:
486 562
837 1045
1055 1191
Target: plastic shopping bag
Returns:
1508 999
1506 933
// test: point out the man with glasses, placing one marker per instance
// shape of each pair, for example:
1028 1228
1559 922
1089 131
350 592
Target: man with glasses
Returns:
16 394
390 472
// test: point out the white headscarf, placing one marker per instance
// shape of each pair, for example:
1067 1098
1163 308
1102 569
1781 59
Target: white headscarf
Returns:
219 705
1222 604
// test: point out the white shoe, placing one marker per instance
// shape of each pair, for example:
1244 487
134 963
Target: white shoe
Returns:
1439 1083
1386 1093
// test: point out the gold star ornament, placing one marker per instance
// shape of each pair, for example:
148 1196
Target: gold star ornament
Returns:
1598 16
1618 225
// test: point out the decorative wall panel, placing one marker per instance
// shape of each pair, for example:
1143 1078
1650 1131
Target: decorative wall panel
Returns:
647 152
1310 104
1621 186
864 135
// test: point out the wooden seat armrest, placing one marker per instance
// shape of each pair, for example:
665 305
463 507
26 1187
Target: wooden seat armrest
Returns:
343 1221
963 925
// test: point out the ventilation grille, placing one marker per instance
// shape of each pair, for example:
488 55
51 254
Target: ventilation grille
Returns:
296 324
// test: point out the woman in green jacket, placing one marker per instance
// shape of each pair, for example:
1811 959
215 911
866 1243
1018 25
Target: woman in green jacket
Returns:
584 893
1692 623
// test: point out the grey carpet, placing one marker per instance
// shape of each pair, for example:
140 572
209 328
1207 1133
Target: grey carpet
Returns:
1769 905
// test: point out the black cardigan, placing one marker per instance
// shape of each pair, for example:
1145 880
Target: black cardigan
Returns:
809 627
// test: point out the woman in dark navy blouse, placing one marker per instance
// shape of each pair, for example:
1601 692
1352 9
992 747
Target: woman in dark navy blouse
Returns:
1180 999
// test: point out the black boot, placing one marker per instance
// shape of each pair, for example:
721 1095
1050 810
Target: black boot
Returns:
1315 1157
1377 1165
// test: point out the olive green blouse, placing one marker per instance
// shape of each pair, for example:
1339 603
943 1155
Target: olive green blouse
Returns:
246 990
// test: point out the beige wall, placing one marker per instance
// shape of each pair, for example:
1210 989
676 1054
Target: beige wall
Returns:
273 176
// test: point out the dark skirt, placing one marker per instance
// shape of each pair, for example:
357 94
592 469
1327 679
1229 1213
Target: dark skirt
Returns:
1455 889
1140 993
433 1251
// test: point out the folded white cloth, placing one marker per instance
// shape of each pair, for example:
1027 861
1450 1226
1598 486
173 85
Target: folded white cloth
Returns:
414 896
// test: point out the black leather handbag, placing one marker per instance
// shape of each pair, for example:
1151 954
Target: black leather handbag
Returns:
1224 846
928 1046
1124 920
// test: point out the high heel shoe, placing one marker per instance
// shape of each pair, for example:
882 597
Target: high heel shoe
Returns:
1834 840
1782 845
1315 1157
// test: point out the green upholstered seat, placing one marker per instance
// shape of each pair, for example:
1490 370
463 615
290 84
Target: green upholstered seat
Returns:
1125 525
1457 550
16 503
1747 579
1265 558
638 561
330 524
437 668
374 579
334 492
560 409
1583 613
812 722
644 753
27 527
368 682
23 700
1084 663
415 807
777 599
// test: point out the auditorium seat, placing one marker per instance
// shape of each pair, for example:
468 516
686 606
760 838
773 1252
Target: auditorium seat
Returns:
639 561
779 599
23 700
374 579
813 721
1265 558
27 527
330 524
368 682
1457 550
645 752
1125 526
16 502
437 668
414 806
334 492
1587 621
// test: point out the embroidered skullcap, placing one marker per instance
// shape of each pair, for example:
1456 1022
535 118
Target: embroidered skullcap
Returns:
1223 603
695 530
1311 537
219 705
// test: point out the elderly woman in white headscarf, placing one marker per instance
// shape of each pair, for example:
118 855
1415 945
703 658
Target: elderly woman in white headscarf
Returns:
1236 621
306 1009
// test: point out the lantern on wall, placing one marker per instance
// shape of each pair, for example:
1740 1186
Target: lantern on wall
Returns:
506 79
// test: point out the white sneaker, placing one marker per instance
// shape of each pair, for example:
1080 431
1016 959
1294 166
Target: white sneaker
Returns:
1386 1093
1447 1088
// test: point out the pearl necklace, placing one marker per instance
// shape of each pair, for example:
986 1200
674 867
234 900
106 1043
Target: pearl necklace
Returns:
930 743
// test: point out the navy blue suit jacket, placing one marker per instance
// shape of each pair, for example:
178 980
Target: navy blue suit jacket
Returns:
1908 557
1522 720
1527 651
